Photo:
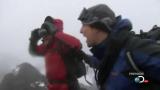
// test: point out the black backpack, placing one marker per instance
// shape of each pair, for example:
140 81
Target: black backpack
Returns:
153 34
73 60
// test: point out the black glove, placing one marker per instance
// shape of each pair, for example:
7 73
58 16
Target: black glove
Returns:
33 41
42 32
87 58
35 35
82 56
49 27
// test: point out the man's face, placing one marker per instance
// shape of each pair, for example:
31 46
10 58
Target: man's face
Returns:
90 34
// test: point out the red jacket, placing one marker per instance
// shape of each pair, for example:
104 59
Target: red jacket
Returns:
53 59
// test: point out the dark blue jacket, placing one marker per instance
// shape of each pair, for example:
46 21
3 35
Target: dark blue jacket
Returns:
145 53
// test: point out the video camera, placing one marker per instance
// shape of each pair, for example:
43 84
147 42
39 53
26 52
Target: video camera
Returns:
47 28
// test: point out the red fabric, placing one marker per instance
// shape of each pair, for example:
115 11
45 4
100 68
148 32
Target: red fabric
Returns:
71 41
55 67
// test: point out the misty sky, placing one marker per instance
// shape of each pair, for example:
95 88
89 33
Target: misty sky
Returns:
19 17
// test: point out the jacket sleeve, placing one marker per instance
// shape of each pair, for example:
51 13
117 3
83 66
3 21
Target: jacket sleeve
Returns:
75 44
36 50
68 40
146 55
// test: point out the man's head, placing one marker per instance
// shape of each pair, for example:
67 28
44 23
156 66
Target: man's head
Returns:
51 25
58 23
97 23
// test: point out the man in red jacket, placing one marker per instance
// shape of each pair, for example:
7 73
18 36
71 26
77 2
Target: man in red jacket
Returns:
56 47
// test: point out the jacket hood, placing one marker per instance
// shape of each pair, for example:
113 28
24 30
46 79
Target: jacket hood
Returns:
59 24
122 24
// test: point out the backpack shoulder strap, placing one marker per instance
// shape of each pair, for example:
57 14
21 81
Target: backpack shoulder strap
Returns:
131 45
131 62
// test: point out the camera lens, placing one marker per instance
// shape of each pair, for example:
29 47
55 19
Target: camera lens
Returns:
42 32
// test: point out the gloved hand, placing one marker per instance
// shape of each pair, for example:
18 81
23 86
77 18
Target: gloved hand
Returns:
33 41
35 35
49 27
83 56
90 60
42 32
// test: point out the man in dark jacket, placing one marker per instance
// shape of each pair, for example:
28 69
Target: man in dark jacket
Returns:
118 55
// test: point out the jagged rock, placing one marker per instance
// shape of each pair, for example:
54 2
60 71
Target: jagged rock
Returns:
24 77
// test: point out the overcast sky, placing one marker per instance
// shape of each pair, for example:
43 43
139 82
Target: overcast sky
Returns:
19 17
